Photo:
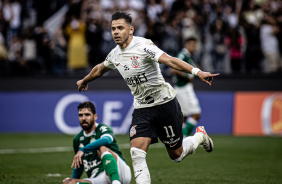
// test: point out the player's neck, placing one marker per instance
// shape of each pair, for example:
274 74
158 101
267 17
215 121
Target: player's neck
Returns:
125 44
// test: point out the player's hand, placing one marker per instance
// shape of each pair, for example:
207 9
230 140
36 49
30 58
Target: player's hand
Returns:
77 161
66 180
82 85
206 77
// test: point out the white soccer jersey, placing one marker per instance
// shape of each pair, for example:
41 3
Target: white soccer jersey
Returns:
138 64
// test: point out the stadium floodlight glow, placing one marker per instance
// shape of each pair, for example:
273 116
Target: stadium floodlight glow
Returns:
60 110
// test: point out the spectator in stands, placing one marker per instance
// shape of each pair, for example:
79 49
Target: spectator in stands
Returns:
269 43
34 66
235 42
59 53
77 48
43 45
18 65
251 17
219 49
94 37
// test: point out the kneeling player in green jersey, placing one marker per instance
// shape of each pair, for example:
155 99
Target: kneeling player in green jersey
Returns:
97 152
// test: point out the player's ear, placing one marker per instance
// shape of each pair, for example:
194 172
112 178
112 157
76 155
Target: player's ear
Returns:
95 117
131 30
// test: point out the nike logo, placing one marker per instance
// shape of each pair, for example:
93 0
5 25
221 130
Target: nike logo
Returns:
117 64
172 145
137 176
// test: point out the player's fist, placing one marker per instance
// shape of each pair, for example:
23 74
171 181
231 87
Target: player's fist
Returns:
82 85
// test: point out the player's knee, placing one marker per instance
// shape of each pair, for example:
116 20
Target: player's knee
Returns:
177 156
69 181
174 154
102 149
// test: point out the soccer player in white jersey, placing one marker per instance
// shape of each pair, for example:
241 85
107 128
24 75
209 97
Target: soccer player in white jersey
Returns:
157 113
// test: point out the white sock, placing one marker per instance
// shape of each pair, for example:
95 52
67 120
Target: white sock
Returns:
189 144
116 182
141 171
199 136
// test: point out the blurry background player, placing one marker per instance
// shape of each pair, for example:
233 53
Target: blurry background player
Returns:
185 90
97 152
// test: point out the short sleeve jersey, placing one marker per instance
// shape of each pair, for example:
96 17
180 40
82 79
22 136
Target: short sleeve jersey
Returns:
183 55
91 162
138 64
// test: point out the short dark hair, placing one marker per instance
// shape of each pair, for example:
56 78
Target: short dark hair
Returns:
190 39
88 105
122 15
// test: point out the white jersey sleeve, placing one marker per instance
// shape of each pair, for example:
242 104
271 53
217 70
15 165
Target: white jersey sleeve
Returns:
152 51
108 61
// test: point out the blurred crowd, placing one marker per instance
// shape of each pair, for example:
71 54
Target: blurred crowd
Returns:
234 37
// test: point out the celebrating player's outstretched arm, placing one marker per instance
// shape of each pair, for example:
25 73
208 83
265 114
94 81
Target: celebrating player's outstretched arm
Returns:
180 65
95 73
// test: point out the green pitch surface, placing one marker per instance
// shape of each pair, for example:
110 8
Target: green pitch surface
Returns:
46 158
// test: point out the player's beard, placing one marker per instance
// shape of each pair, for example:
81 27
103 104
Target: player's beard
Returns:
87 126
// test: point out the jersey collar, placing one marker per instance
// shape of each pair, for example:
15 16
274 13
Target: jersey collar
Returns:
91 133
186 52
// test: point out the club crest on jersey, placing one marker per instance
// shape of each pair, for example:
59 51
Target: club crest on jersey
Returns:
135 62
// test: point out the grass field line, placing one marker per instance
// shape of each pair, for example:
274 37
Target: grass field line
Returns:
58 149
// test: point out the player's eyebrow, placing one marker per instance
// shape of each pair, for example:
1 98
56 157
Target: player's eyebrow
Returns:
86 114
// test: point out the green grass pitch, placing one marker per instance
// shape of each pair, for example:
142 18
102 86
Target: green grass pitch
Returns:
235 160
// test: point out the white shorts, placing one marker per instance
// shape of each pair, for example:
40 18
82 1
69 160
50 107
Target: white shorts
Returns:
123 171
188 100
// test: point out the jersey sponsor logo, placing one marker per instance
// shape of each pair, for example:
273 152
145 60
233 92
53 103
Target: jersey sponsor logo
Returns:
172 141
150 52
147 100
133 130
137 79
88 165
135 62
